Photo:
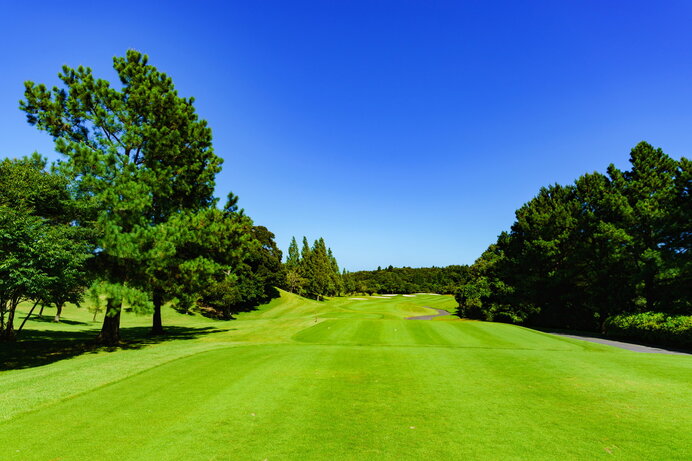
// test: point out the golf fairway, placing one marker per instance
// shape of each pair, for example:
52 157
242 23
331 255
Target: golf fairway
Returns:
353 380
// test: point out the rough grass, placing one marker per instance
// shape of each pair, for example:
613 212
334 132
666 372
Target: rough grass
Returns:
343 379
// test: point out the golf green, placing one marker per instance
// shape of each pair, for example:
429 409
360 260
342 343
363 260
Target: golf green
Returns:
350 379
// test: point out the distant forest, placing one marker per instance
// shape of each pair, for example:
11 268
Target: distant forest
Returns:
443 280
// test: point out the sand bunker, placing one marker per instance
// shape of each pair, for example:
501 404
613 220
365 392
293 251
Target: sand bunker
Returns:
380 297
409 296
359 299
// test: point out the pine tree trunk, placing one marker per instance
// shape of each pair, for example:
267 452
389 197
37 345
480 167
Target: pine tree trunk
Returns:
40 313
58 312
110 332
157 324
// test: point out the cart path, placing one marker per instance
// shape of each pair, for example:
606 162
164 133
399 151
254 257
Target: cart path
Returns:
440 313
622 345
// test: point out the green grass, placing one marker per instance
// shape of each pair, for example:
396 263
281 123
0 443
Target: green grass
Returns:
343 379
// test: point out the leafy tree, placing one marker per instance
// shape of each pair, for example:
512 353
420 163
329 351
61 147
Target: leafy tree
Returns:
294 282
21 273
138 153
349 282
484 295
262 270
68 254
42 257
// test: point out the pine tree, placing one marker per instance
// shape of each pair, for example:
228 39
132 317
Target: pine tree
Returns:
293 258
349 282
305 251
650 190
139 154
678 241
318 284
294 281
337 282
305 266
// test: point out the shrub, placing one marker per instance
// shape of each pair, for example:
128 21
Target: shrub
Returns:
652 327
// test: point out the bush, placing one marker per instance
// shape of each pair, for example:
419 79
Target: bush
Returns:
471 309
504 317
652 327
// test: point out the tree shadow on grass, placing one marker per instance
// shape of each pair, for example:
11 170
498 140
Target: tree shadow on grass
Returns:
49 319
42 347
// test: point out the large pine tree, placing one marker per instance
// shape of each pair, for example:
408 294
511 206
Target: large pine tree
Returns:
138 153
649 188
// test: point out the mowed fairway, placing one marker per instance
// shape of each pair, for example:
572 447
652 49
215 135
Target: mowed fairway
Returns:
350 379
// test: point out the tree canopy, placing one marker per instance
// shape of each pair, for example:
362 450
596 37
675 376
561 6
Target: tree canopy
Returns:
42 255
138 153
579 254
406 280
314 272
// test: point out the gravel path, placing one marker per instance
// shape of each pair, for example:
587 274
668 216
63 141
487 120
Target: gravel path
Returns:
440 313
621 345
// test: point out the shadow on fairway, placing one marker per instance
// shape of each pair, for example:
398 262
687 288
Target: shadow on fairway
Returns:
41 347
49 319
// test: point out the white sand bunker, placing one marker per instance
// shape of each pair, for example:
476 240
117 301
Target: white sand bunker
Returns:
433 294
359 299
380 297
409 296
388 295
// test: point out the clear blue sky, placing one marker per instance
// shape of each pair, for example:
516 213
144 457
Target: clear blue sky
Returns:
404 133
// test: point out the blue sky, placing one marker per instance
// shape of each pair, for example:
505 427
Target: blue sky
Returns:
402 132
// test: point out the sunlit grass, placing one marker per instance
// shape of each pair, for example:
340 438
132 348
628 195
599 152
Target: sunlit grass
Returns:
344 379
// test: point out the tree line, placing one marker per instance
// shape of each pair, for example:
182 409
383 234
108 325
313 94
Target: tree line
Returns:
607 245
443 280
128 216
